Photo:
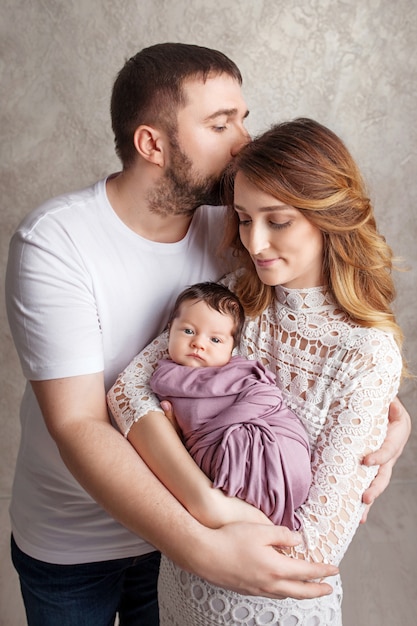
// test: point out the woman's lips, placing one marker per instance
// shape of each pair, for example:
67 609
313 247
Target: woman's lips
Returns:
265 262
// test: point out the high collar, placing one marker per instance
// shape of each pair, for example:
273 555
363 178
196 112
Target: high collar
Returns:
314 299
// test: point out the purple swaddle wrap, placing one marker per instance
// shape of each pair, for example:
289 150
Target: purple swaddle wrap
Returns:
239 431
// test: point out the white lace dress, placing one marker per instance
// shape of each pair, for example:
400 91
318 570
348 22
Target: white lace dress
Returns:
339 378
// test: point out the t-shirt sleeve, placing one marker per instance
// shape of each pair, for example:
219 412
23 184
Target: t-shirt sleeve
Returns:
51 306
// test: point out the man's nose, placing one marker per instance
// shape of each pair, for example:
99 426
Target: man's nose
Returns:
242 138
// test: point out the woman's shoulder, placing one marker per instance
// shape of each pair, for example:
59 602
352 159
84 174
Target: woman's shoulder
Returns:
370 336
373 350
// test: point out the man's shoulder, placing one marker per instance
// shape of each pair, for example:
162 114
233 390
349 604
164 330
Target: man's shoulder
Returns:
65 207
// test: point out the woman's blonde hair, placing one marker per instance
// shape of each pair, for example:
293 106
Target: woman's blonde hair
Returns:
305 165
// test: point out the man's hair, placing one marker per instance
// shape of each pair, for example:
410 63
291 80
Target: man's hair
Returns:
217 297
149 88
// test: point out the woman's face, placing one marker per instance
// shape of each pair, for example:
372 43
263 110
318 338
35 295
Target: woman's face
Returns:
285 247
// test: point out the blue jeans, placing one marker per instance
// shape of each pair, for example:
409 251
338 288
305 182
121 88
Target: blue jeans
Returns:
89 594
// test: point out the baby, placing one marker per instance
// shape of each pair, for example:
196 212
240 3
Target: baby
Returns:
229 409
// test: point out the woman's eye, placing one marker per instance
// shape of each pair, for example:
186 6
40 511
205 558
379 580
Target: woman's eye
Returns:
219 129
279 225
244 222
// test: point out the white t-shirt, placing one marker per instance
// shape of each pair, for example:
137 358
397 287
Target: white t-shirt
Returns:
85 294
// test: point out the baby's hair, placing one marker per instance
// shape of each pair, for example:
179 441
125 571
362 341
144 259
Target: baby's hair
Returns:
217 297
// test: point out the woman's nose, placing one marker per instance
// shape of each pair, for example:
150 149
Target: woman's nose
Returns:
257 241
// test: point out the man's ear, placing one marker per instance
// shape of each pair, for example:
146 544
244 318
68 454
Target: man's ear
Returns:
150 144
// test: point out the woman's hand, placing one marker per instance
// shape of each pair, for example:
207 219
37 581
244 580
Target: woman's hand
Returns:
399 429
224 510
169 414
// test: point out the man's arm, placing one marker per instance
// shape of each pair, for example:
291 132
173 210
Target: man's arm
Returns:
237 556
399 429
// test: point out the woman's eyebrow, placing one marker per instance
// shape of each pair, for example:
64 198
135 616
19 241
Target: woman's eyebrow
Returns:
264 209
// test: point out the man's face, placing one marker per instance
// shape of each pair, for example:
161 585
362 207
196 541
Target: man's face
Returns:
210 127
210 132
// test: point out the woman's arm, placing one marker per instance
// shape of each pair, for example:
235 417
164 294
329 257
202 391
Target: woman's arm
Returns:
157 442
355 426
399 430
131 396
137 412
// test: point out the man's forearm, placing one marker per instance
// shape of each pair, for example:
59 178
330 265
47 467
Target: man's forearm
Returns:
128 491
228 556
235 556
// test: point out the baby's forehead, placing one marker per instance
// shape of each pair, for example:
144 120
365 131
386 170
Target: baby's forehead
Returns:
191 306
191 310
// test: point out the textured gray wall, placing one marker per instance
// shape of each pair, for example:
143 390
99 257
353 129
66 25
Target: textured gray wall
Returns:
350 65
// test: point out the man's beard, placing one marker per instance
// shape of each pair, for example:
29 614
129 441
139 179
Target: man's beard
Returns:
180 192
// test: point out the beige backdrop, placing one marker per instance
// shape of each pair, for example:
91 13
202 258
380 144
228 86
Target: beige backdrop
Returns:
350 65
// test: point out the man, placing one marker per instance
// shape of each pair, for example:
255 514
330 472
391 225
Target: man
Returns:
91 277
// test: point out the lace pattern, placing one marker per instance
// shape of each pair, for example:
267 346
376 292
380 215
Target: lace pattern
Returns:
131 397
207 604
339 378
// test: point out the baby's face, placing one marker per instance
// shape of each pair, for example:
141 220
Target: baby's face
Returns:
201 336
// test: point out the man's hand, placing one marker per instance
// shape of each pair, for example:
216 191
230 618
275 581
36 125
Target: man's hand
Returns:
251 566
399 429
239 556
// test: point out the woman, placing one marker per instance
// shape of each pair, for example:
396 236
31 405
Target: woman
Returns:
316 285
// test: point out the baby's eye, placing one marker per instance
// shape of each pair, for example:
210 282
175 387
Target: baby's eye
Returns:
215 340
188 331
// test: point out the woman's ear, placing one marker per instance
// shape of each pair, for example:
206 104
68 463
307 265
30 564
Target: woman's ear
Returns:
149 143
